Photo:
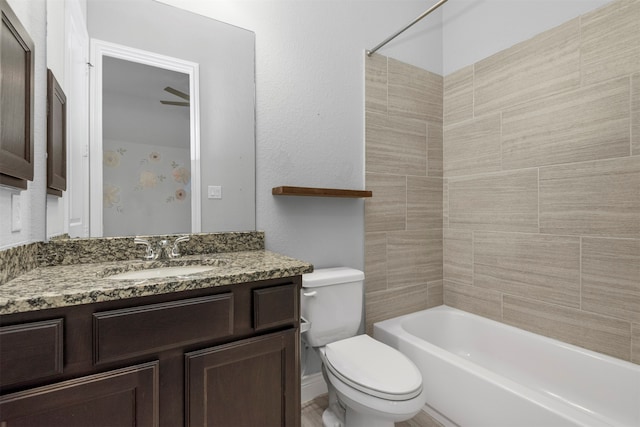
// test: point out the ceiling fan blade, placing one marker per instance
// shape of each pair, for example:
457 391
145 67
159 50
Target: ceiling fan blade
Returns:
176 92
181 104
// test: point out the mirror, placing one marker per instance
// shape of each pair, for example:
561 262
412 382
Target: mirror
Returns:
225 56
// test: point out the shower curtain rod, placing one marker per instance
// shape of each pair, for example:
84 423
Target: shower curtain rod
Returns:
397 33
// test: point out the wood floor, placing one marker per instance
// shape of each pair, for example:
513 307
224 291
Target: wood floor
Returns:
312 415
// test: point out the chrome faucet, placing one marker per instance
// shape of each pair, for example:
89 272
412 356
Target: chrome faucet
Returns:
150 254
175 251
164 250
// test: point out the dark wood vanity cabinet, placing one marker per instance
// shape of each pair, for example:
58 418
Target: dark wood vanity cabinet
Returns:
224 356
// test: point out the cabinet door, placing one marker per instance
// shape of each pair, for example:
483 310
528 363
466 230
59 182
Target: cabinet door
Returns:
16 100
56 137
125 397
254 382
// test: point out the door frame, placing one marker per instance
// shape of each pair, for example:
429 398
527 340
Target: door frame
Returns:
100 49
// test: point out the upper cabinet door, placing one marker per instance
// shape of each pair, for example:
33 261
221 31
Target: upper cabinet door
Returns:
16 100
56 137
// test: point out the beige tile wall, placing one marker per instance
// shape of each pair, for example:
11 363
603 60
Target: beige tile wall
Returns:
541 190
551 59
403 219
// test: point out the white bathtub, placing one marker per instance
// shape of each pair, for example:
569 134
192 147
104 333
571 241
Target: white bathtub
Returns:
478 372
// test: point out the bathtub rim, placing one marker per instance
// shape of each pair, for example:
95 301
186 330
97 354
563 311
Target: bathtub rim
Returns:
584 351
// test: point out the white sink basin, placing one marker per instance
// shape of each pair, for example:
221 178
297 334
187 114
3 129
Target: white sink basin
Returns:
161 272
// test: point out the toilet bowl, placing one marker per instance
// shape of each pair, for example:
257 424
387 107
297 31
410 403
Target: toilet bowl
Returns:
370 384
377 385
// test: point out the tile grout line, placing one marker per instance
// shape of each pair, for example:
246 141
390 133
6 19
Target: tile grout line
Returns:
501 142
473 91
580 278
386 61
631 114
406 203
580 42
386 261
386 233
538 179
426 151
473 258
632 353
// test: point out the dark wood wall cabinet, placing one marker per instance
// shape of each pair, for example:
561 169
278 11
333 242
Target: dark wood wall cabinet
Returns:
56 137
223 356
16 101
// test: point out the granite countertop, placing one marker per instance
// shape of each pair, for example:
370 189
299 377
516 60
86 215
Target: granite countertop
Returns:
67 285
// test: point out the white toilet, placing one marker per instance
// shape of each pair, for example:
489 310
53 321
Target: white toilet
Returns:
370 384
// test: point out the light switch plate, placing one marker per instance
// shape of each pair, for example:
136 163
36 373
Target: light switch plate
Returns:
214 192
16 220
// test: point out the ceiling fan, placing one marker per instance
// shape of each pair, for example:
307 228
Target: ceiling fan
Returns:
179 94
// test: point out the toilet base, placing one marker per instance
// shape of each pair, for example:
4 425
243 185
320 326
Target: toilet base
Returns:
358 419
341 412
334 415
329 419
352 419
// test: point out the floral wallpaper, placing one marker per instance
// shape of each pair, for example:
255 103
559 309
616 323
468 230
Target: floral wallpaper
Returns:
146 189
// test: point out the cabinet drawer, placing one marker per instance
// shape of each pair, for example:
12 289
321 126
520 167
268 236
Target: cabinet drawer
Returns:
131 332
275 306
30 351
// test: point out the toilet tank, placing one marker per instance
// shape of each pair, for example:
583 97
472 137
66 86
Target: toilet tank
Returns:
331 301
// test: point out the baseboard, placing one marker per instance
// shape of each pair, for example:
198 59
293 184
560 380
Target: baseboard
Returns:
312 386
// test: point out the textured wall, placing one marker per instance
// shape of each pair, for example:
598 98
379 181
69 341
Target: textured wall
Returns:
403 219
542 183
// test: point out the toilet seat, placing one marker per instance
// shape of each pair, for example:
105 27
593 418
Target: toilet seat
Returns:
373 368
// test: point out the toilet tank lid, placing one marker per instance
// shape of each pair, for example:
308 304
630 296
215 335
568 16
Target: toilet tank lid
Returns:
331 276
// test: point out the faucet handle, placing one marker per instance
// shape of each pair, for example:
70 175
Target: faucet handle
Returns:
149 254
175 252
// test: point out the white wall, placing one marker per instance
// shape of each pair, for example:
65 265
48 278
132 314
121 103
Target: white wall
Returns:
476 29
310 80
32 15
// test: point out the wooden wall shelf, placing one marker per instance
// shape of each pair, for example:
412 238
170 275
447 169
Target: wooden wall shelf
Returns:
319 192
